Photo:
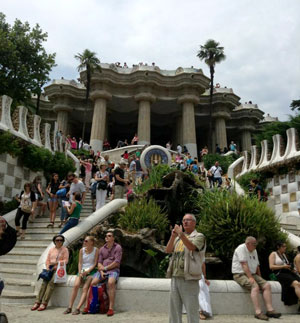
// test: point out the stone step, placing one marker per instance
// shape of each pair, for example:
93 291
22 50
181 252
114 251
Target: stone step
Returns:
36 236
17 273
20 285
25 254
12 297
34 243
17 264
24 249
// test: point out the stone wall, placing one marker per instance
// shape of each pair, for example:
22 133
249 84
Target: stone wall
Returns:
13 176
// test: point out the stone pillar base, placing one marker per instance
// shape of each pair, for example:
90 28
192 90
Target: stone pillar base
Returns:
96 144
192 148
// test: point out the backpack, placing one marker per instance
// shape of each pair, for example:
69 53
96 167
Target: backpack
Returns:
98 301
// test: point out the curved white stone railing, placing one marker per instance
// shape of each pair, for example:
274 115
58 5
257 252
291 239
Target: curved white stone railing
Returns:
7 125
75 159
276 156
83 227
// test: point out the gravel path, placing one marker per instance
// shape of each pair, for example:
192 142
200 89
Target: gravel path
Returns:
22 314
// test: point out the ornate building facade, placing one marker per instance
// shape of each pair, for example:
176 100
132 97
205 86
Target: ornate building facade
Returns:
158 105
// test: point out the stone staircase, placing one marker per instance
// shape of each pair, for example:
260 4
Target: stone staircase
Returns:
292 228
18 267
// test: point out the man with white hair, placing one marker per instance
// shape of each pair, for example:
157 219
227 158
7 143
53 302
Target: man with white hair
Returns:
185 269
246 272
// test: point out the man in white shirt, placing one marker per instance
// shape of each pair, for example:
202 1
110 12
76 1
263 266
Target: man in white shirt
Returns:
216 172
76 187
246 272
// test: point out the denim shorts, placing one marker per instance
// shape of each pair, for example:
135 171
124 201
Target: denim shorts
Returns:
113 274
52 199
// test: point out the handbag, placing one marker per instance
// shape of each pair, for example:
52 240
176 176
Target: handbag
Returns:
46 274
102 185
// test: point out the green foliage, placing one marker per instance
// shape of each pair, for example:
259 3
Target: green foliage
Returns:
226 219
245 179
224 161
79 152
144 214
159 268
8 144
24 62
34 157
279 127
156 174
72 266
6 207
295 105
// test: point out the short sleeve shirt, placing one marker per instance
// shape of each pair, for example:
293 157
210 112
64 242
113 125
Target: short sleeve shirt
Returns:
178 254
108 256
242 254
76 188
119 171
216 171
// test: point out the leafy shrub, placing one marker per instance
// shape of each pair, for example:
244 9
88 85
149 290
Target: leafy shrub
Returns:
224 161
245 179
35 158
155 179
8 144
144 214
226 219
59 164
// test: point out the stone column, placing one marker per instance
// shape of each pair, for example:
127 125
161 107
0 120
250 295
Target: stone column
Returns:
99 119
62 111
246 140
220 130
179 139
188 122
144 120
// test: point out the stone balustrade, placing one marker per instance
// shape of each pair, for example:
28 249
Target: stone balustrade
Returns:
279 155
27 126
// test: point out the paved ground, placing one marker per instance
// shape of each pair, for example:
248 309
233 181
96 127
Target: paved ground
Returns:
22 314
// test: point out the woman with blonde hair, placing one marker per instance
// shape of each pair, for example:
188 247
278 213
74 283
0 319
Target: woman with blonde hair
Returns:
88 258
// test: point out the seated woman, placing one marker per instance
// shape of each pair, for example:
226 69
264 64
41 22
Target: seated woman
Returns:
88 257
56 254
74 212
288 279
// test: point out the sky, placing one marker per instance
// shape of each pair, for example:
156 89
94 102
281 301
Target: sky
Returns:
261 39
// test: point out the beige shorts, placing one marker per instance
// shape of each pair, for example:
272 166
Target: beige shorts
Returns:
243 280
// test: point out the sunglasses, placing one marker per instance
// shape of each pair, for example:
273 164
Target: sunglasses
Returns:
109 235
86 240
59 240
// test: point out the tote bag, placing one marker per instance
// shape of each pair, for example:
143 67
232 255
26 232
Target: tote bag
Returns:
61 274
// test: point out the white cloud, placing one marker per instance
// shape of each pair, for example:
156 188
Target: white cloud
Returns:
261 39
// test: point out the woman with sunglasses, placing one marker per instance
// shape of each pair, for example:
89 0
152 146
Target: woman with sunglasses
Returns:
56 254
88 257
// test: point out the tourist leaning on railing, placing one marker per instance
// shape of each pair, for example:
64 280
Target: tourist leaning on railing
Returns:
57 254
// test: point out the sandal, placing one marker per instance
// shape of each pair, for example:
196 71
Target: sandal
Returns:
68 310
85 311
50 225
35 306
76 312
42 307
202 316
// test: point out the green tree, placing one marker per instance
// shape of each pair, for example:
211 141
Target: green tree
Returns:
295 105
89 62
24 63
212 54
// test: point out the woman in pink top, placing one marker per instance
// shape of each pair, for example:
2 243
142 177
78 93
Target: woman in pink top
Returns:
73 143
88 171
56 254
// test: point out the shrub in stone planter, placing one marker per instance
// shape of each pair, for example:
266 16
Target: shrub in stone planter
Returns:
144 214
226 219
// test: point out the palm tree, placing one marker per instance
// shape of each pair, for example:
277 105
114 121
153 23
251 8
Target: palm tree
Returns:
212 54
89 62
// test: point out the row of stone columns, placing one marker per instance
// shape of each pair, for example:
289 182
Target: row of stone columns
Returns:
185 123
